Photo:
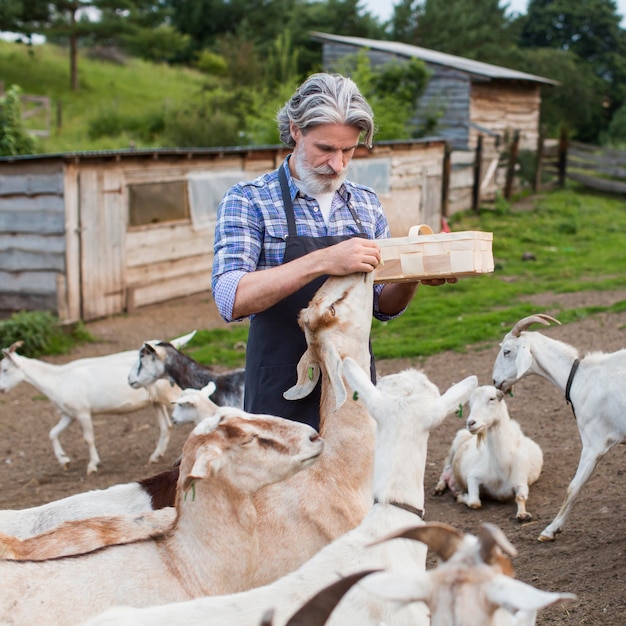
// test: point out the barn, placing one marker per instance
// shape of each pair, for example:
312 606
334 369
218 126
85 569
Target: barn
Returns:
472 98
87 235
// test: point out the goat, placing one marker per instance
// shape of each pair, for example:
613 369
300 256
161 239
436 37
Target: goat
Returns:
471 583
86 387
134 498
491 456
593 385
211 547
162 360
192 404
405 406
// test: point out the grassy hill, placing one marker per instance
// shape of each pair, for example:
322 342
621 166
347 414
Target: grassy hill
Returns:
132 89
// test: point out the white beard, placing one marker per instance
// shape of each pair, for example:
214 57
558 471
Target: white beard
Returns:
315 179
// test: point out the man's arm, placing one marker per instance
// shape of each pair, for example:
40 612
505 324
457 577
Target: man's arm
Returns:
258 291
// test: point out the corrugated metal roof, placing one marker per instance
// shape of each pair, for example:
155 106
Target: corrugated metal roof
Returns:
476 68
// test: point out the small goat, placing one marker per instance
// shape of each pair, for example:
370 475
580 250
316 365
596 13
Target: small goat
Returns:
593 385
491 456
134 498
192 404
211 548
163 360
86 387
470 585
406 407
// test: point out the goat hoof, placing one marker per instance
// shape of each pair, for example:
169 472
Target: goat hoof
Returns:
92 469
526 517
545 538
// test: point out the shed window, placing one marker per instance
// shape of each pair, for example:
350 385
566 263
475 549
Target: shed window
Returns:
153 203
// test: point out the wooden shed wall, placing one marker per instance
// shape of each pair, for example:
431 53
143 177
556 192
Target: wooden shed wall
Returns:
32 236
506 106
67 245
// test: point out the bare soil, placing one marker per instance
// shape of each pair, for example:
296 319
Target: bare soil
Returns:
588 558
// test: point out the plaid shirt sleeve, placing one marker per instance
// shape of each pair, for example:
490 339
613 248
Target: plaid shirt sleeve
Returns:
251 230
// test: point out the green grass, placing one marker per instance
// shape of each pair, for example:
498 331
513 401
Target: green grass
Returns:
577 239
133 89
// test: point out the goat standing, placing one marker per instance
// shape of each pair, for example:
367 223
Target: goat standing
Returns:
593 384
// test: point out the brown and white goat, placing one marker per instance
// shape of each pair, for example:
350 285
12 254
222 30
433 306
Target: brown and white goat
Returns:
211 548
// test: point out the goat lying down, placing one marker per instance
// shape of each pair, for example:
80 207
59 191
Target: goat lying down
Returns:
491 456
472 584
211 548
406 407
86 387
593 384
133 498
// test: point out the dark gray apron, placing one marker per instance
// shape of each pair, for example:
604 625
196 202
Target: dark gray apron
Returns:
275 340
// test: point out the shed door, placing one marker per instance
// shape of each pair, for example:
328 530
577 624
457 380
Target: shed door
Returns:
103 231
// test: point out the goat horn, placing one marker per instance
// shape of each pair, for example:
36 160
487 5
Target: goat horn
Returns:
538 318
491 537
441 538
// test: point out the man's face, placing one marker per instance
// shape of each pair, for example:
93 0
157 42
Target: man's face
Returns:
321 156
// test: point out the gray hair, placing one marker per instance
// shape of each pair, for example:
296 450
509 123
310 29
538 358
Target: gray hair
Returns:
326 99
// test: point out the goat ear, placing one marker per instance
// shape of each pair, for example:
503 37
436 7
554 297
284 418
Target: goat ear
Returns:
308 375
359 381
148 347
12 348
416 586
458 394
514 595
208 459
332 363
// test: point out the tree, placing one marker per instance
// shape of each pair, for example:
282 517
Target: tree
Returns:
591 30
476 29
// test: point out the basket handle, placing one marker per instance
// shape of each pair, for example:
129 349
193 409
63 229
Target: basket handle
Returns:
420 229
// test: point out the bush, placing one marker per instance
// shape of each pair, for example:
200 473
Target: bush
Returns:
14 139
111 123
41 333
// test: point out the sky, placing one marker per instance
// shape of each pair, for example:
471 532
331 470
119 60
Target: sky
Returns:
383 9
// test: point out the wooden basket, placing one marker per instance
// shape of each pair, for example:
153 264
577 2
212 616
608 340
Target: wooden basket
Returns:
423 255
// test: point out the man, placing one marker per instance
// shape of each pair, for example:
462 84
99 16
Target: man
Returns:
299 224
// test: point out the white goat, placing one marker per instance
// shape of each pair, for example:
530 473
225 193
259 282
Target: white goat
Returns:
211 548
593 384
491 456
133 498
405 406
86 387
471 586
192 404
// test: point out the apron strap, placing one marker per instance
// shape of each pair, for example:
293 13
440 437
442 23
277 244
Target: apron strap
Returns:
287 203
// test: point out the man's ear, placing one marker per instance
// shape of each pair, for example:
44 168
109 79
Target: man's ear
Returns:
295 131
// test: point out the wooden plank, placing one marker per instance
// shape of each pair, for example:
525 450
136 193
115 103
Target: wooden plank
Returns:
72 285
600 184
31 184
179 268
169 289
32 204
156 245
14 260
11 302
32 242
29 282
42 222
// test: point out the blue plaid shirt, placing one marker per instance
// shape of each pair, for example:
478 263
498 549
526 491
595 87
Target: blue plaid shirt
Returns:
251 229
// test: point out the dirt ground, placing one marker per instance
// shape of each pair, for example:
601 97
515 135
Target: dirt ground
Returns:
588 558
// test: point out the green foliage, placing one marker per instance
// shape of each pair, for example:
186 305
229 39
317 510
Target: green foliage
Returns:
392 90
144 128
14 139
615 135
210 63
161 44
41 333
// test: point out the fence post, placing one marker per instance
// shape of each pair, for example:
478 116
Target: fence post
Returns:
510 170
478 168
563 141
445 180
541 138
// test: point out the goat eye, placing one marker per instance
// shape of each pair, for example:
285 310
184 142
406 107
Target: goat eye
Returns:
506 352
265 442
332 310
